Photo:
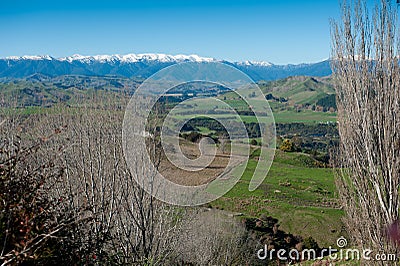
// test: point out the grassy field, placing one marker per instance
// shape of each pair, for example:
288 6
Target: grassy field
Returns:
302 197
281 113
306 117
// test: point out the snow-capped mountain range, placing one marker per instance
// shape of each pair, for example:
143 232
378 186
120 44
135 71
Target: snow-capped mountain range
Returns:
142 65
132 58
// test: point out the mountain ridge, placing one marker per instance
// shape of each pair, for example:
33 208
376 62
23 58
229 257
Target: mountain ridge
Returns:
143 65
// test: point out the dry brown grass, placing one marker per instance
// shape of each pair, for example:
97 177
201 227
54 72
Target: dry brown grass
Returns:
194 178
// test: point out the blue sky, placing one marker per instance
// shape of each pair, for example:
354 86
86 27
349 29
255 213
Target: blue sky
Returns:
277 31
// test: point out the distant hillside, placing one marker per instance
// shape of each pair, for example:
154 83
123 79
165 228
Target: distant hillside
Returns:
40 90
301 90
276 72
143 65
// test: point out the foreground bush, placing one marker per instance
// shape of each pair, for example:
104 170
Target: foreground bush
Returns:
33 222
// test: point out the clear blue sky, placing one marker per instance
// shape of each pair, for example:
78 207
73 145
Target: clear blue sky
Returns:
277 31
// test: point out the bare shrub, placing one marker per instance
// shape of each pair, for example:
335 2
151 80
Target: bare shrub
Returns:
210 237
33 222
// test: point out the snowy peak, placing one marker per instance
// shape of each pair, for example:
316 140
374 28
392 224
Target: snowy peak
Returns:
30 57
254 63
133 58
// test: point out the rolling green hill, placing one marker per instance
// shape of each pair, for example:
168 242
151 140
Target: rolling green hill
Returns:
42 91
299 90
296 192
297 99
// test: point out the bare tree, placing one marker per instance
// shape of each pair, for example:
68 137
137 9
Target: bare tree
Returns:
129 225
365 66
224 143
146 228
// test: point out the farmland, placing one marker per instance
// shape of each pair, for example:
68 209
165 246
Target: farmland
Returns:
298 195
